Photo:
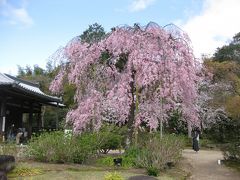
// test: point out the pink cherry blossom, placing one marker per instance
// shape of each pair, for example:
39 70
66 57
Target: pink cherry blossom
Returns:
159 73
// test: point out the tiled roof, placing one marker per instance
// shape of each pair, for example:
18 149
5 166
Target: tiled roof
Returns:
5 80
26 86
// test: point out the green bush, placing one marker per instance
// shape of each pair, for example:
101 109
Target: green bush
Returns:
110 137
49 147
8 149
175 125
127 162
83 147
130 156
231 151
56 147
106 161
226 133
157 153
152 171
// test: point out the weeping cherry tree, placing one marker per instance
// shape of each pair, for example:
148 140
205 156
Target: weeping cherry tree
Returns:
135 75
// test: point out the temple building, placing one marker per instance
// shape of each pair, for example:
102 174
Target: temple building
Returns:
21 104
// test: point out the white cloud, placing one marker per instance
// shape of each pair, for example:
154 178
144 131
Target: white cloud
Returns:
22 16
9 69
214 26
15 15
138 5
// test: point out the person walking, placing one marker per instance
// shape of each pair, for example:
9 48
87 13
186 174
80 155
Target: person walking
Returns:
195 139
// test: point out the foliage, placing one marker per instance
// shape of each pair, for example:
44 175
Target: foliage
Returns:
68 95
55 147
94 33
49 147
231 107
127 161
144 73
11 149
224 92
231 151
106 161
230 51
130 156
83 147
175 123
157 152
113 176
50 117
8 149
154 153
223 131
111 137
232 164
152 171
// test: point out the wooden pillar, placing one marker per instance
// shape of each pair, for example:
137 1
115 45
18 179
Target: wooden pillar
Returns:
43 110
22 111
39 120
3 119
57 121
30 120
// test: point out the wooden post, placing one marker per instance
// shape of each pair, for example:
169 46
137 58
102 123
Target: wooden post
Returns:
3 118
57 118
43 110
30 120
39 120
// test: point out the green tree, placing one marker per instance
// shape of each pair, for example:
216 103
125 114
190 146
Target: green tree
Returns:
94 33
225 96
229 52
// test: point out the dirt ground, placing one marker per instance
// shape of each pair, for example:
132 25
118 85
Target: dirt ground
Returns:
204 166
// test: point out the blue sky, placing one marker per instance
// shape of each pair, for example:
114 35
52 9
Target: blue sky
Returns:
32 30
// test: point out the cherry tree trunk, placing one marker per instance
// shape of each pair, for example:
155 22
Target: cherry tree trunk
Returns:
131 115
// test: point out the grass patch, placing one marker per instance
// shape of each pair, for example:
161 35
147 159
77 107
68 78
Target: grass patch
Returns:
25 171
81 172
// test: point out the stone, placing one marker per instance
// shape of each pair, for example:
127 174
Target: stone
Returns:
7 163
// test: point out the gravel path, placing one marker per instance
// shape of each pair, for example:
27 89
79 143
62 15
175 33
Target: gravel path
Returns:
204 166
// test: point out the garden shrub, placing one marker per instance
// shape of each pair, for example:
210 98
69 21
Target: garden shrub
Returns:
175 124
110 137
106 161
226 132
55 147
231 151
49 147
152 171
8 149
83 147
157 153
130 156
11 149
